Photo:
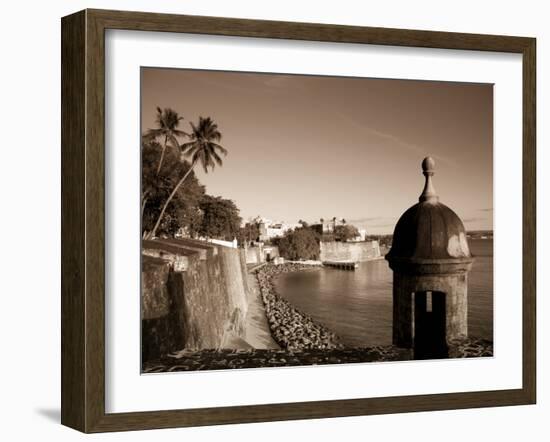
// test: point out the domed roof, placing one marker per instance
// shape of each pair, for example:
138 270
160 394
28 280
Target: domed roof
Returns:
429 230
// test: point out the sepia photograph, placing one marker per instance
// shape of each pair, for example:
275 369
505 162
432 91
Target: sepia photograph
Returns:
298 220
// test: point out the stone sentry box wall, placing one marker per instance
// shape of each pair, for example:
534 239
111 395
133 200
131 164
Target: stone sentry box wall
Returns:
408 287
194 296
430 259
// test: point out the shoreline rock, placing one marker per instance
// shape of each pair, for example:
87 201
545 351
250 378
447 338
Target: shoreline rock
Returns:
471 347
292 329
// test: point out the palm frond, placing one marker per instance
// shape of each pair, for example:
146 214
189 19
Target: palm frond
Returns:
152 134
204 146
174 141
189 148
219 147
180 133
217 158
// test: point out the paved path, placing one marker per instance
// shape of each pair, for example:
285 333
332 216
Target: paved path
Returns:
257 332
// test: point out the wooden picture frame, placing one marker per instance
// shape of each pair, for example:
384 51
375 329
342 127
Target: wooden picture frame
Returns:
83 220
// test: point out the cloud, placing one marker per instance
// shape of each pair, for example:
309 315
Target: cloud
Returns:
365 219
373 222
416 149
397 141
383 225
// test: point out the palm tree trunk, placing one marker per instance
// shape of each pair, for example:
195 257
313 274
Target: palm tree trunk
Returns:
143 203
162 154
144 200
178 185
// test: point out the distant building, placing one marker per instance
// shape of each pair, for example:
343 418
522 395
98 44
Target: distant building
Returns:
361 237
327 226
263 232
272 229
261 253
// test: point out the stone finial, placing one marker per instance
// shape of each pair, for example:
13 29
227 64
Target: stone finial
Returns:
428 194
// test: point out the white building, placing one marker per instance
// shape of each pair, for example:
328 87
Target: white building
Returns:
273 229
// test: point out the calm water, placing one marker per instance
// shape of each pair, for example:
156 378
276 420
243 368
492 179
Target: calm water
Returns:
357 305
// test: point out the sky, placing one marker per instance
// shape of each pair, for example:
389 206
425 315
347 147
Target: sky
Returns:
311 147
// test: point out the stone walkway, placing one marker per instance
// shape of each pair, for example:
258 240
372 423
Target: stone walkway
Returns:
187 360
234 359
257 334
257 331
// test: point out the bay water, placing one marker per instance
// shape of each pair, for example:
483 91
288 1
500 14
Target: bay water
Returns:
357 305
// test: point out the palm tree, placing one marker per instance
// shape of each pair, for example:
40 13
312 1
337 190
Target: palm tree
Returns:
167 121
204 148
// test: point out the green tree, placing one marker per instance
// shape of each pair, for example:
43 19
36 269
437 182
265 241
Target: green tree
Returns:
184 210
345 232
204 148
301 243
167 121
249 232
220 218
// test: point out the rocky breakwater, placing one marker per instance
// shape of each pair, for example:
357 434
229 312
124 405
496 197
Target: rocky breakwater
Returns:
470 348
292 329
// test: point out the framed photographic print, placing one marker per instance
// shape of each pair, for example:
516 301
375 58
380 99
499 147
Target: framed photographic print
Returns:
266 220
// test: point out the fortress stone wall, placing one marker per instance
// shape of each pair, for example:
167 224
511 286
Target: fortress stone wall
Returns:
194 295
349 251
261 253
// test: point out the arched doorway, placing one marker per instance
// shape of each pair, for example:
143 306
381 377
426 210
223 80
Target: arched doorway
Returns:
429 325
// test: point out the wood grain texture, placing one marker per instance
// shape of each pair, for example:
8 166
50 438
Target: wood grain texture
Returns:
83 219
529 220
73 129
143 21
95 222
